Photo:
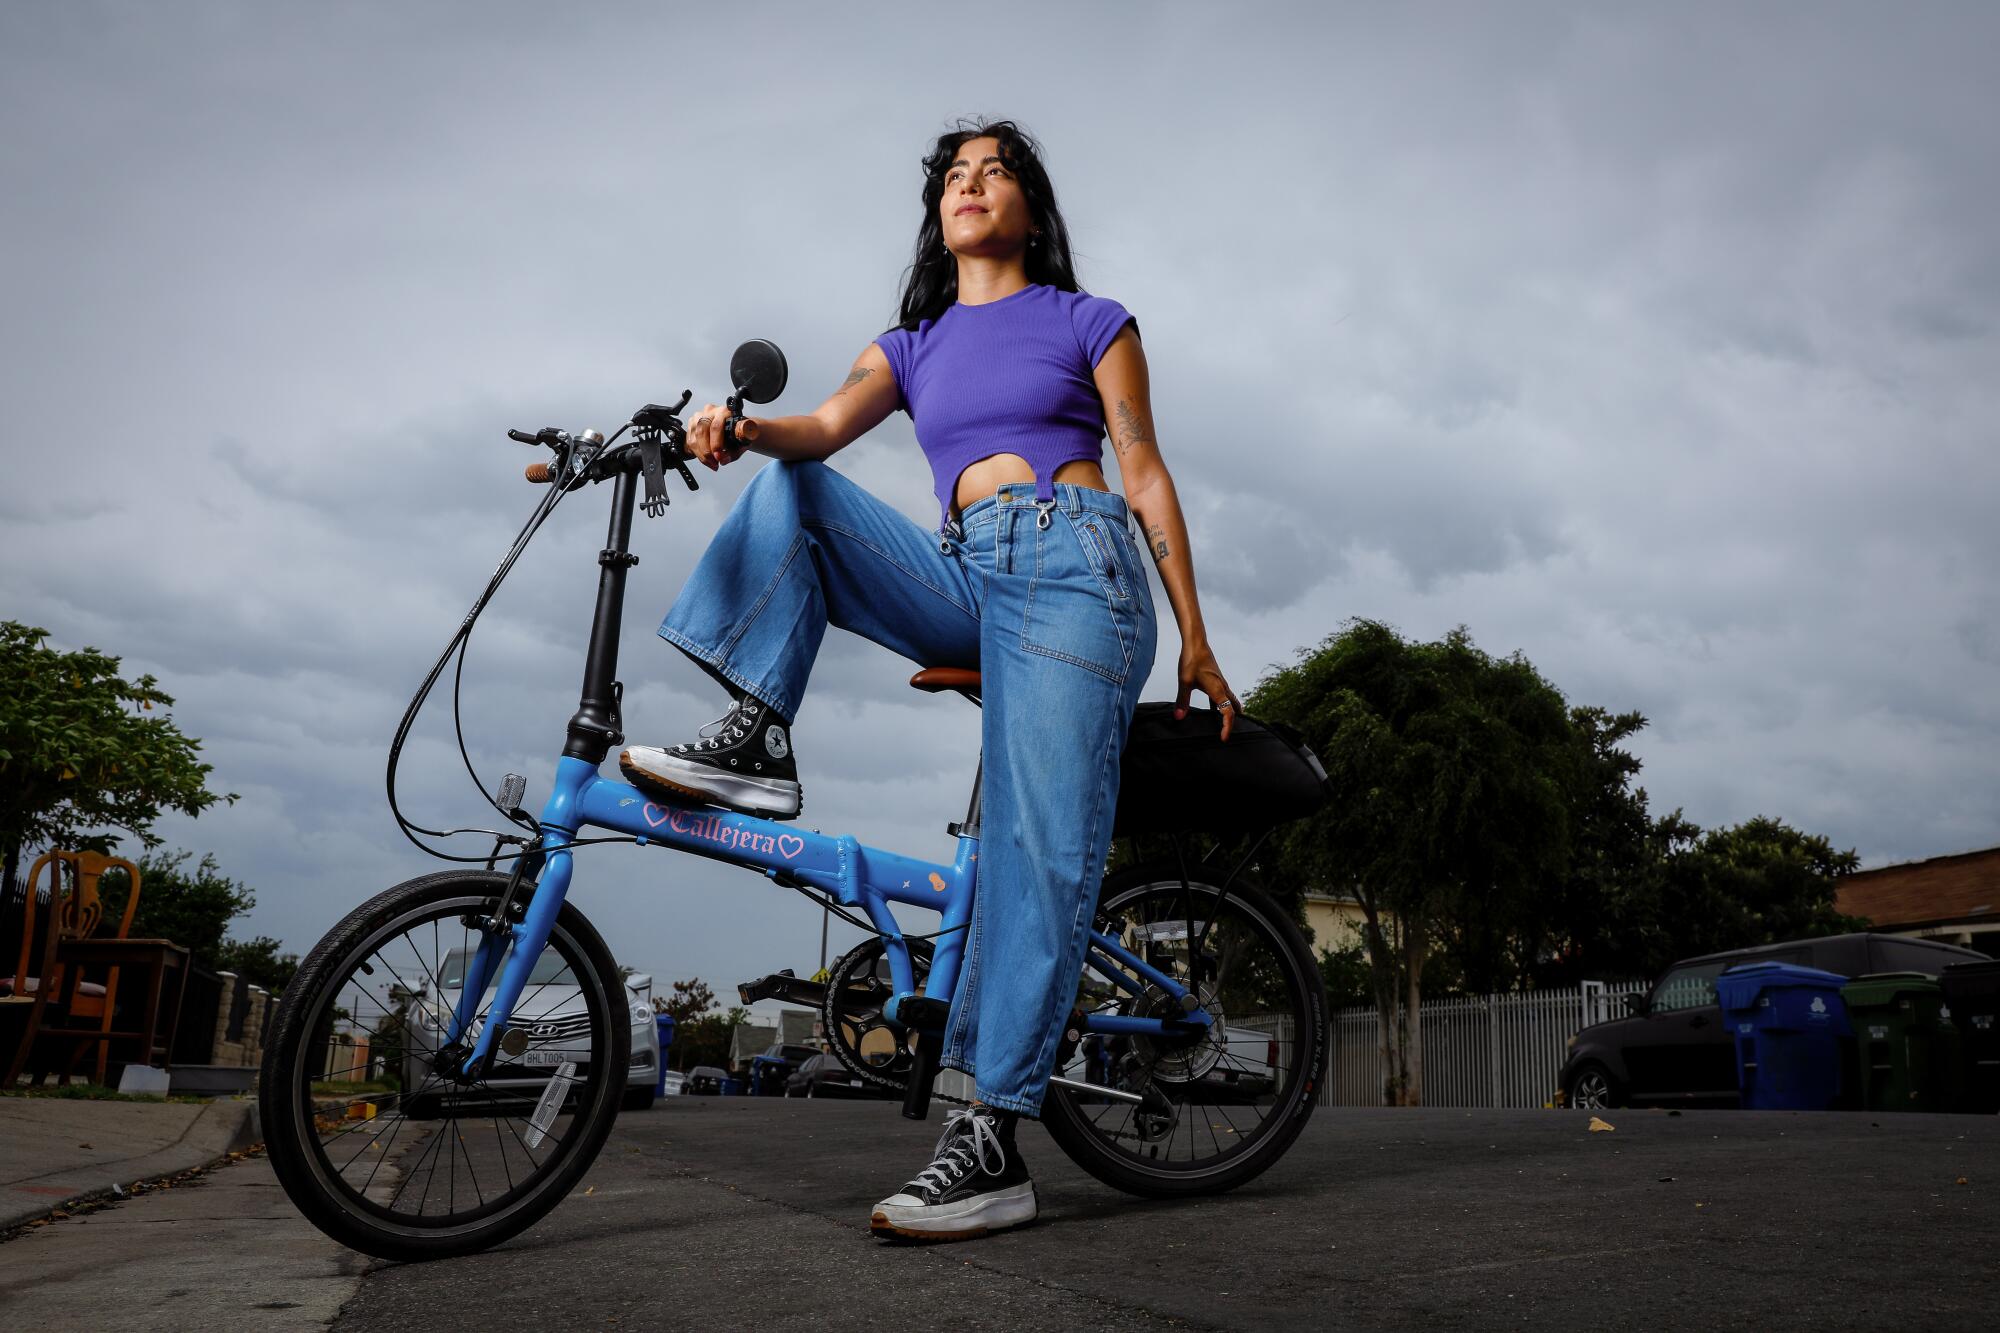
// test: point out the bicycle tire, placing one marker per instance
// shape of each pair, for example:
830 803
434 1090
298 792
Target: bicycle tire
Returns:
1063 1109
290 1117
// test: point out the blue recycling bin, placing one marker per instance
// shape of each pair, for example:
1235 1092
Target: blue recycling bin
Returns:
1791 1030
665 1023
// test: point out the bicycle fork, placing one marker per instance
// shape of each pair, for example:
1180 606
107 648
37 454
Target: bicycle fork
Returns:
521 944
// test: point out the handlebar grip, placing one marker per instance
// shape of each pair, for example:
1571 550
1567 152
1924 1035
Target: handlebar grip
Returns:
540 473
521 437
737 435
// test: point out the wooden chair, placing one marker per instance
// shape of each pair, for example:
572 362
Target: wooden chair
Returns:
85 1010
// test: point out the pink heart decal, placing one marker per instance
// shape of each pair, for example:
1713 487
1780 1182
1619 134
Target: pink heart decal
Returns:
790 845
655 815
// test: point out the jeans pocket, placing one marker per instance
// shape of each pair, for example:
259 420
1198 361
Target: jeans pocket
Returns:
1103 551
1079 610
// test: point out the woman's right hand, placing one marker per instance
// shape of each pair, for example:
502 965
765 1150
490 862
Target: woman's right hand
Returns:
705 440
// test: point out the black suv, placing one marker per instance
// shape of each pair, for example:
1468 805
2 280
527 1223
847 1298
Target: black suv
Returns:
1675 1050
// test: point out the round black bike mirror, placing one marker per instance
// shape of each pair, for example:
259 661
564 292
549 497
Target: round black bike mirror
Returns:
758 370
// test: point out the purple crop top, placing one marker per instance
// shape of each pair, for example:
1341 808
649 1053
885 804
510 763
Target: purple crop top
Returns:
1012 376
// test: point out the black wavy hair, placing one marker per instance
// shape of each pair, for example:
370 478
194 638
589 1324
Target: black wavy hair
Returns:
931 283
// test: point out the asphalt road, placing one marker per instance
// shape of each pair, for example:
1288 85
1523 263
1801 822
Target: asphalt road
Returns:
728 1212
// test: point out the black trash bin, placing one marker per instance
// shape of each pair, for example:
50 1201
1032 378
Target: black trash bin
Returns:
1972 993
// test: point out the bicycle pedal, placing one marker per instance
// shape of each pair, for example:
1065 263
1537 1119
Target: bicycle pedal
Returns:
785 986
923 1013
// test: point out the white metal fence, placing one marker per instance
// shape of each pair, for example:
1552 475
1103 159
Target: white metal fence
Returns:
1493 1050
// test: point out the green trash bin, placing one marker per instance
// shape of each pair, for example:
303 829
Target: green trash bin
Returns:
1972 990
1906 1042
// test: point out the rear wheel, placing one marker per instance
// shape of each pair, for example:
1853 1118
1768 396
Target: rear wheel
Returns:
369 1130
1214 1108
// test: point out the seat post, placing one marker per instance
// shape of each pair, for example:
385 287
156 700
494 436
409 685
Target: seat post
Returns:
970 828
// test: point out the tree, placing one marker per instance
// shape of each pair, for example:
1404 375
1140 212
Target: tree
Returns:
194 908
78 752
690 999
1595 919
1344 970
1451 773
701 1035
1757 882
259 960
191 907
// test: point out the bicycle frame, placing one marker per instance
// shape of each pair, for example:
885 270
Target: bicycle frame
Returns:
851 873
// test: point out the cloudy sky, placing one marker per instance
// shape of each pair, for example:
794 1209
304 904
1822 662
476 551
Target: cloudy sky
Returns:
1655 343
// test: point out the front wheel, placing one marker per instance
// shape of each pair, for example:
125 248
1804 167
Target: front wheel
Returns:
368 1127
1206 1111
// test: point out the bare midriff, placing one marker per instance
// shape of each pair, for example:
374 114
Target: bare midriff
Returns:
988 475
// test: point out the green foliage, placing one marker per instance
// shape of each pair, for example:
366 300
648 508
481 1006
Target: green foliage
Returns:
190 906
706 1040
1344 970
193 907
701 1035
260 960
80 750
1452 772
1730 888
690 999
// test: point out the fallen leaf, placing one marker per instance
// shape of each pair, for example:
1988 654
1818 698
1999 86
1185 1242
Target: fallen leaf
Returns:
1961 1180
591 1190
1600 1126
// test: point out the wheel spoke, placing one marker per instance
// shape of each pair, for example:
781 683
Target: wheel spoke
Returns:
370 1039
1235 1085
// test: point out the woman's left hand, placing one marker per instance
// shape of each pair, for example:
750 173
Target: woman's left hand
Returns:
1199 671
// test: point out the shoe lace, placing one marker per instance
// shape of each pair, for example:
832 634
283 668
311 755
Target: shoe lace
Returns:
969 1140
737 721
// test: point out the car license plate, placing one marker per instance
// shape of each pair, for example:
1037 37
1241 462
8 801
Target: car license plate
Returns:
549 1058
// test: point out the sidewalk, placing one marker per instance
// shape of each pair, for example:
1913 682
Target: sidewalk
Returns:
227 1250
54 1150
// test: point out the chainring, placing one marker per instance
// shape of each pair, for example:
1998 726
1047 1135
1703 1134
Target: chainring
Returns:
860 1036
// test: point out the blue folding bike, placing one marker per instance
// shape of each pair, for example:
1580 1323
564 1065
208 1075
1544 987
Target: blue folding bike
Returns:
450 1057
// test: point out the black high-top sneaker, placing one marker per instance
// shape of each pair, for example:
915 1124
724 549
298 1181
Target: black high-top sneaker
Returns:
977 1183
745 763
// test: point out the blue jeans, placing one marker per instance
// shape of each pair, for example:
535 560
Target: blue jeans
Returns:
1052 606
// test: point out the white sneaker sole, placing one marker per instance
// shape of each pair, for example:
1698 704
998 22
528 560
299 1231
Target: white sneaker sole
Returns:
774 797
962 1220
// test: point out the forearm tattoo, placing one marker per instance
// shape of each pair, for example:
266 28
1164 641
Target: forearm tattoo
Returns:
854 377
1156 536
1132 429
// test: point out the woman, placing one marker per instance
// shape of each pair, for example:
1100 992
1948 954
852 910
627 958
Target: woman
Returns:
1010 376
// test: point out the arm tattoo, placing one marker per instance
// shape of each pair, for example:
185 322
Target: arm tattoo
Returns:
1133 428
854 377
1157 535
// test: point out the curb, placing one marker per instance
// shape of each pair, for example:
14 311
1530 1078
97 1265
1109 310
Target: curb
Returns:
222 1127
